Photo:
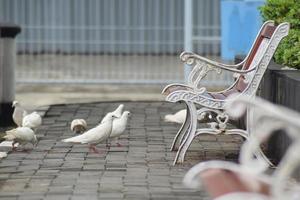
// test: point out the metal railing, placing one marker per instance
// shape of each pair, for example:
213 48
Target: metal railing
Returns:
109 41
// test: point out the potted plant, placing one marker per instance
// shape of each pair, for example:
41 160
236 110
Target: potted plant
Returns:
288 52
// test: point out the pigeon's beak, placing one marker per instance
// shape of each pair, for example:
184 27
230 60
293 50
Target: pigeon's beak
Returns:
114 116
14 104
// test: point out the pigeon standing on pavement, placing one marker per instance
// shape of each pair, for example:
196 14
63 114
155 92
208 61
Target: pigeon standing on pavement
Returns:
18 114
117 113
78 126
21 135
119 126
178 117
32 120
95 135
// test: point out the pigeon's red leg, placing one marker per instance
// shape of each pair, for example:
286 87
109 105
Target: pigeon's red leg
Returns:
119 145
108 144
13 146
94 149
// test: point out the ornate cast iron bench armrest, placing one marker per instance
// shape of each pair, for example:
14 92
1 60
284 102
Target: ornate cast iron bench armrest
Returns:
202 66
195 60
185 56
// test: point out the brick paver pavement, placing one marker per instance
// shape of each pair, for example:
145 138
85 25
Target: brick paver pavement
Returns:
140 169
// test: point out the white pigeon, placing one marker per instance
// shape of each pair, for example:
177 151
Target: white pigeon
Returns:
178 117
21 135
119 126
95 135
32 120
3 155
117 113
18 113
78 125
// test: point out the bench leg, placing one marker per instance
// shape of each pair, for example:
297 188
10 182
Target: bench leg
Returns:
189 136
194 133
187 140
182 131
260 154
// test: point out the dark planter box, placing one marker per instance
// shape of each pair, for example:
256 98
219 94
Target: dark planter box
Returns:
280 87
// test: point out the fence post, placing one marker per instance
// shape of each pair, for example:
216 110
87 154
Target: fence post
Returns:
188 32
8 32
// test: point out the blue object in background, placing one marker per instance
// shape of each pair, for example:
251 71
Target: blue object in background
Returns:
240 22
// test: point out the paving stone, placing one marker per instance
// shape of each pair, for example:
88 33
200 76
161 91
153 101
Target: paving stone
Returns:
62 189
57 196
31 197
85 196
111 195
91 167
9 197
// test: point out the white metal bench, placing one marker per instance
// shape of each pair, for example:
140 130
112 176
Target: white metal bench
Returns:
247 82
249 180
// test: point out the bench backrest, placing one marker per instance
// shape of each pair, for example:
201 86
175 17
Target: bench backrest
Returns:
261 54
264 35
266 31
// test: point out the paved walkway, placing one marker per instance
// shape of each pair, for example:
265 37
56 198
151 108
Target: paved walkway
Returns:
141 169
